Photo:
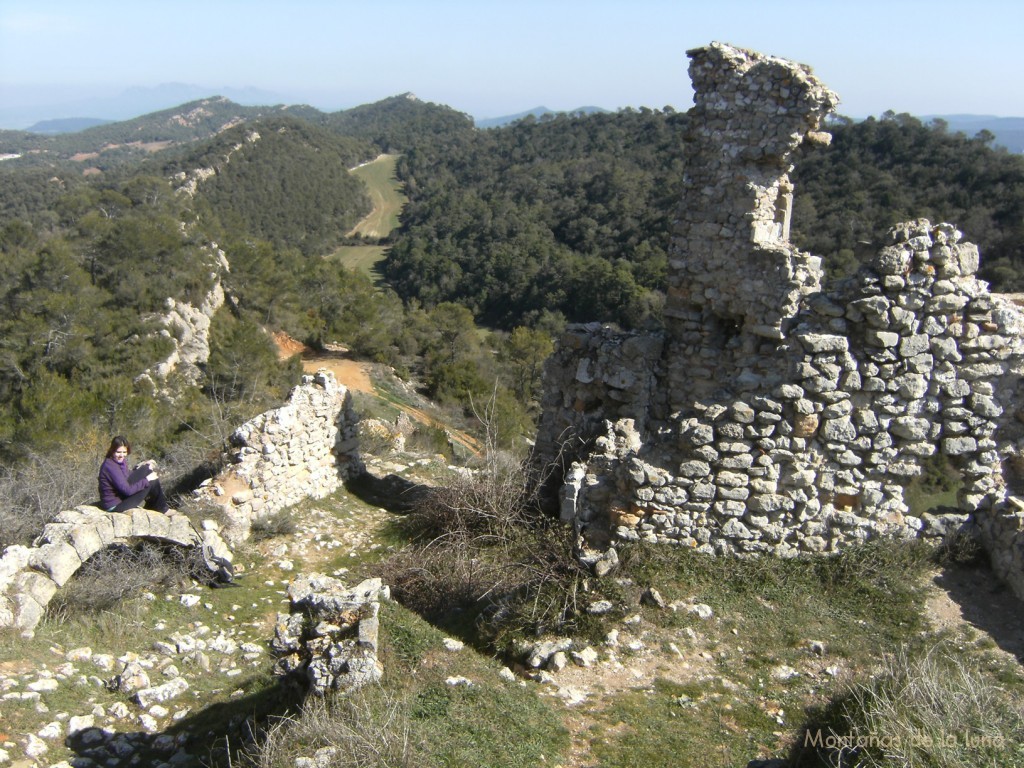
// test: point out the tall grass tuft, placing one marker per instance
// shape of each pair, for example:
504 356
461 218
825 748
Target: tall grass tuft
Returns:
925 710
366 729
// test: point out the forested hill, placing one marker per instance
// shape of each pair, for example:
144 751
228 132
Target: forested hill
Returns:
400 122
574 214
526 225
112 145
570 215
392 124
878 172
280 179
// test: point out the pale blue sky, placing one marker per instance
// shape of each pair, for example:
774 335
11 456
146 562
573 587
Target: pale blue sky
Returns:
498 58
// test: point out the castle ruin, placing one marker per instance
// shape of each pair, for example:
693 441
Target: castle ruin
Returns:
771 416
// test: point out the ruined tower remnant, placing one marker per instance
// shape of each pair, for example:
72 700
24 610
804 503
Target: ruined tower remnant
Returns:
771 416
732 258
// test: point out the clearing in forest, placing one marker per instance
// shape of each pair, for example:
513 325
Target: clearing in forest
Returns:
385 192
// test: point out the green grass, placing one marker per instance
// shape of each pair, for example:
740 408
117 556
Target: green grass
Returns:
386 194
725 706
674 725
415 718
363 258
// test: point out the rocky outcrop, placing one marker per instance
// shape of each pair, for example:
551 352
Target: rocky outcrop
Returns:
188 327
771 416
30 576
307 448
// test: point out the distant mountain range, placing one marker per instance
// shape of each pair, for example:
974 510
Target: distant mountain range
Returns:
135 102
24 108
537 112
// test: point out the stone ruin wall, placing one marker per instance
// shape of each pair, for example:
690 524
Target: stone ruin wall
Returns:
770 416
307 448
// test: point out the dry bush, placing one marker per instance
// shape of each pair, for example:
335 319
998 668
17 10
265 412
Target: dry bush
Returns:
280 523
119 571
33 492
492 501
931 710
483 551
366 729
961 547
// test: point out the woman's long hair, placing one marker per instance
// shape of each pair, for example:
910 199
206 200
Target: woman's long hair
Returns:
118 442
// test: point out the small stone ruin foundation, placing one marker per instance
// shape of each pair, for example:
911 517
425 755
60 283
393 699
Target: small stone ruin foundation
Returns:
772 416
329 639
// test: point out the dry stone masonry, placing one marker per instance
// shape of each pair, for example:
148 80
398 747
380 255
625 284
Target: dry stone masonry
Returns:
306 448
771 416
329 639
30 576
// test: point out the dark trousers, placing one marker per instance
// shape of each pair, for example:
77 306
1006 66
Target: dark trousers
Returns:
152 496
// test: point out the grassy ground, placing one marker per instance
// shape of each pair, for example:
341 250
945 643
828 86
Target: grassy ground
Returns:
788 646
388 199
363 258
386 194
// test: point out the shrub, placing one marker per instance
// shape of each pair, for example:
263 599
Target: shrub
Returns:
33 492
119 571
484 562
280 523
929 710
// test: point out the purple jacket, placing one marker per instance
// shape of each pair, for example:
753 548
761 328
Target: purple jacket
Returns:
114 484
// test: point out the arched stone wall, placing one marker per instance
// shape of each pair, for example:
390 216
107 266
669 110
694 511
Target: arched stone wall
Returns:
30 576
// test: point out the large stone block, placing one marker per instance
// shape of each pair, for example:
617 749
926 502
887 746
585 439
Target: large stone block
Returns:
180 530
121 523
86 541
36 585
59 561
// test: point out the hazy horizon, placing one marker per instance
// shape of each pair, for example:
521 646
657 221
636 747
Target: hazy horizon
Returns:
65 59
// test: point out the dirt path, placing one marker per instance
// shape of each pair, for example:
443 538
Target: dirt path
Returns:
355 375
974 600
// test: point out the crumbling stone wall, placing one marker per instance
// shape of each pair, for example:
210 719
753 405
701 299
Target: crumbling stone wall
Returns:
330 638
30 576
770 416
307 448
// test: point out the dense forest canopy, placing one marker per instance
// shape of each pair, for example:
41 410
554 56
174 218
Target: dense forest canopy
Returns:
574 214
282 180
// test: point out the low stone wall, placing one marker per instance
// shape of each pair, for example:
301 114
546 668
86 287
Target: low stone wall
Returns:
30 576
307 448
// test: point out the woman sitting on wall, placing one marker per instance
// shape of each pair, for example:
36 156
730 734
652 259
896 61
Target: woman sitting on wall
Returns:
121 489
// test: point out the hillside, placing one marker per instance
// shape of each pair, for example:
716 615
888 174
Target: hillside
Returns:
731 663
281 179
391 124
507 639
114 144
